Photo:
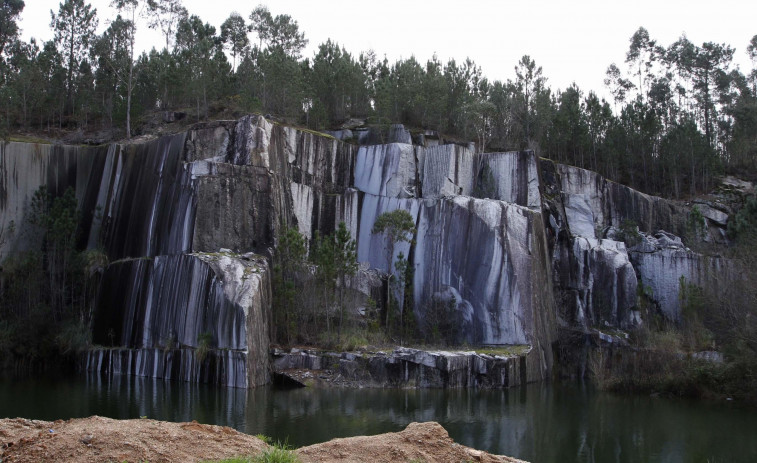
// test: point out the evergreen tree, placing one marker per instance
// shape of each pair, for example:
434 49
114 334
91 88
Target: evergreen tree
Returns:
234 36
74 29
9 13
396 226
166 15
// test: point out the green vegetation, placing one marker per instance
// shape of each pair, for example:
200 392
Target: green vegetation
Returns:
505 351
679 116
277 453
628 233
28 139
264 438
662 356
335 258
667 372
288 264
742 227
443 322
312 304
679 112
46 296
396 226
696 226
204 345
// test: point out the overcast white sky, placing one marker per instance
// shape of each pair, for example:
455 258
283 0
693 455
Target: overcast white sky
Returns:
573 41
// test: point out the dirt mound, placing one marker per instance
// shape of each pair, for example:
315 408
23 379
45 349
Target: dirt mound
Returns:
426 442
97 439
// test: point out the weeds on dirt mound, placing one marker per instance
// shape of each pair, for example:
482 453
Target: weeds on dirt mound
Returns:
278 453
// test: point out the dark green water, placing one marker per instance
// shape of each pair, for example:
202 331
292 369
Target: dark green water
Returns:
540 423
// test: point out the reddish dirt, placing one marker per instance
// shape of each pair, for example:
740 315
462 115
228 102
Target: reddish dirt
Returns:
423 442
97 439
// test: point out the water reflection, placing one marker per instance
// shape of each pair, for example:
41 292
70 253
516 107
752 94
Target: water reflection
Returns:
540 423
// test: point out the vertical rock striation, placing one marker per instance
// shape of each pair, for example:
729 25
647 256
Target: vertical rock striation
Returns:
507 245
664 265
215 303
150 203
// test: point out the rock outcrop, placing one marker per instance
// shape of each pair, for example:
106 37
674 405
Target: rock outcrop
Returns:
597 277
665 266
405 367
171 311
507 246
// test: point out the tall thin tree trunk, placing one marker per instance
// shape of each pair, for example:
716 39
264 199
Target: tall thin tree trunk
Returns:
205 101
128 105
341 310
131 74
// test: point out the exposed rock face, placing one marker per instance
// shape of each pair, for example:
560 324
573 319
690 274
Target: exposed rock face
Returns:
595 281
499 284
149 210
406 367
395 133
514 177
596 278
446 170
234 207
603 281
270 177
500 238
372 248
135 200
160 307
386 170
664 264
590 196
139 203
491 285
226 368
25 167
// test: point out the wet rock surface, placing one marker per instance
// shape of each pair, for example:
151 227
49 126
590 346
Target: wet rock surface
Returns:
514 245
665 266
405 368
178 305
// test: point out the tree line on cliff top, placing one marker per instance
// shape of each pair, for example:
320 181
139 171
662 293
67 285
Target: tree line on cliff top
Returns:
679 113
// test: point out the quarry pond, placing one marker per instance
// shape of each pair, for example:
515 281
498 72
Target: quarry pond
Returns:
538 423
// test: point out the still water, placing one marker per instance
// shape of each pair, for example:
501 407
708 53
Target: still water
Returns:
539 423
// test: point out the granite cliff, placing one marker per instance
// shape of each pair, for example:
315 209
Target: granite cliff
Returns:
518 245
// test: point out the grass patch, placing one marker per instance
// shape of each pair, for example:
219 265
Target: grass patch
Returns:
505 351
231 460
278 453
29 139
267 439
204 341
316 133
302 129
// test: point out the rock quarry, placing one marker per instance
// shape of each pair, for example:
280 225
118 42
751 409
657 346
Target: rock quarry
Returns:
519 246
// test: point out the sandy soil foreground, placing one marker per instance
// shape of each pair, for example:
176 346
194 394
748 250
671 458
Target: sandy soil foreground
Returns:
97 439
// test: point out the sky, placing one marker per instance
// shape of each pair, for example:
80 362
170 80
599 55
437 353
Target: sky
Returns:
573 41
